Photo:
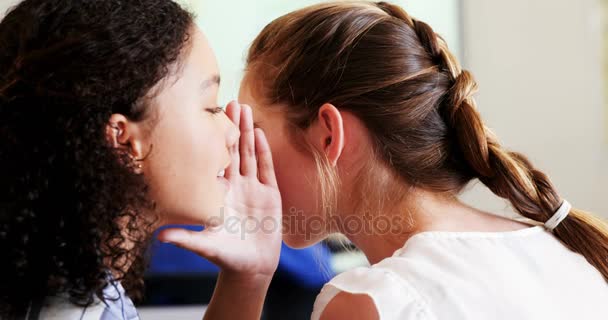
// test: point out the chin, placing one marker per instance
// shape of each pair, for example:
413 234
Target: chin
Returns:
198 215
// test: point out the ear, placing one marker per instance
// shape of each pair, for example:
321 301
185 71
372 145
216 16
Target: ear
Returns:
329 132
126 136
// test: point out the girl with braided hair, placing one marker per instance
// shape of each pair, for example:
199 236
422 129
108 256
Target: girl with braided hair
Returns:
376 116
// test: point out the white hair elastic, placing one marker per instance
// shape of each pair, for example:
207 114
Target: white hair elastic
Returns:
559 215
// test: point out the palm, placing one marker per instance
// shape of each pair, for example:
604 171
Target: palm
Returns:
251 241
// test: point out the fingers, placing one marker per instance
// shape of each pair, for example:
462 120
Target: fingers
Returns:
198 242
247 143
243 155
233 110
264 155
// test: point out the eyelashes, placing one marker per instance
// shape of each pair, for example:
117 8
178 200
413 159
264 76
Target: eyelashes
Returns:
215 110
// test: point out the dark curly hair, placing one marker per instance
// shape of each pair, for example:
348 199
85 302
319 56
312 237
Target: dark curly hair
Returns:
69 202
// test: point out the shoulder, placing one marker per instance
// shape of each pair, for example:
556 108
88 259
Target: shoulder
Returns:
369 293
59 308
116 306
346 306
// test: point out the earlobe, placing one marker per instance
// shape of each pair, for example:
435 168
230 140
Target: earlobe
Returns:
332 128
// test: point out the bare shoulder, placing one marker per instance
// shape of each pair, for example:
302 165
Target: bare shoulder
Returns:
347 306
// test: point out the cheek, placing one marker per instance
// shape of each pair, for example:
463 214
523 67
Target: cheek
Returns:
297 177
293 173
187 151
303 221
298 182
183 171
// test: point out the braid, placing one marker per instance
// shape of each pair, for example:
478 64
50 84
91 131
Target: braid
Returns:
434 44
509 175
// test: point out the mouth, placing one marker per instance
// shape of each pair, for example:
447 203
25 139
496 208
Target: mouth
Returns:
222 172
222 180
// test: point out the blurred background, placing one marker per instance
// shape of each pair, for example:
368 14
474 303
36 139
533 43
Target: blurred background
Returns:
541 68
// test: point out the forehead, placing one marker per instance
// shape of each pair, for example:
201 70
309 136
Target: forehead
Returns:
201 58
195 77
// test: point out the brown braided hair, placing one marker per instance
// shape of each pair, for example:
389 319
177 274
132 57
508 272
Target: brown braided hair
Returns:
398 76
507 174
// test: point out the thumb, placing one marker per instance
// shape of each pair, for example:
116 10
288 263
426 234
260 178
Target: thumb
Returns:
199 242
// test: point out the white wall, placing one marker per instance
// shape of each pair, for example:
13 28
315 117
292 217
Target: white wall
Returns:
538 64
5 5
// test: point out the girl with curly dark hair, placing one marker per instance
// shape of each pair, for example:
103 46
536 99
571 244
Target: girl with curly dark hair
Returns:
110 128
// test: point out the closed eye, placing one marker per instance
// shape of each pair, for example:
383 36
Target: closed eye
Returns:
215 110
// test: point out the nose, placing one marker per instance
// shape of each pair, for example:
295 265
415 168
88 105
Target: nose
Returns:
232 132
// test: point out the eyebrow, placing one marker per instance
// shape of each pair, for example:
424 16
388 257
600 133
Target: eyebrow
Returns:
215 79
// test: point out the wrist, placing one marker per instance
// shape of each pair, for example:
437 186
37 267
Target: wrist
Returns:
252 280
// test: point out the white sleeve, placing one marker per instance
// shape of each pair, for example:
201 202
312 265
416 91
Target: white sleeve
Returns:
393 297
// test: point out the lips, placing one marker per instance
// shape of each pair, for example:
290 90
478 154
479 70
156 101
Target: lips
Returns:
221 177
222 172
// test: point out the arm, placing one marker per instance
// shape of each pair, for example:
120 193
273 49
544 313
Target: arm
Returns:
238 297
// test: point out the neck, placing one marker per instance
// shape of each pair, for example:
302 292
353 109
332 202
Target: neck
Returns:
424 211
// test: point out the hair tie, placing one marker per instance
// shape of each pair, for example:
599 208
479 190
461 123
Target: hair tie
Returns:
558 216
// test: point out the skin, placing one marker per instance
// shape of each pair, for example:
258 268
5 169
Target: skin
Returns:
346 143
181 147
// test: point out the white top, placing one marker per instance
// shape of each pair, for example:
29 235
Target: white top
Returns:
117 307
524 274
